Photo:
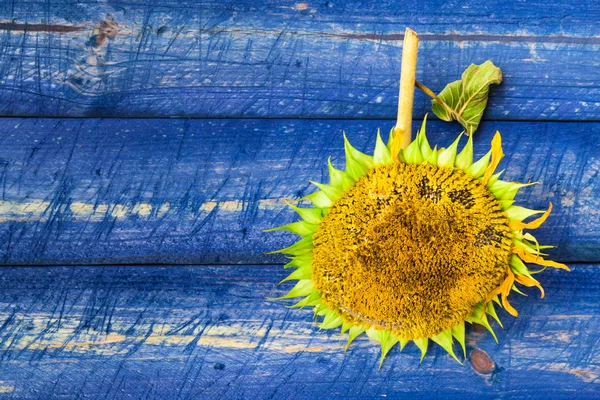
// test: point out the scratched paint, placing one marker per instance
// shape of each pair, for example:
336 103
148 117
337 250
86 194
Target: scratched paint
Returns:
77 329
29 211
202 191
290 59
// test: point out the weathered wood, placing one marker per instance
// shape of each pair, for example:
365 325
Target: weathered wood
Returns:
290 59
209 332
201 191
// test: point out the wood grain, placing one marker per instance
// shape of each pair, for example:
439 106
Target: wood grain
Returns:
201 191
209 332
324 59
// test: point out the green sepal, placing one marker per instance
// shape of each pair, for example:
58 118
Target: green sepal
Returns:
493 179
301 228
433 157
298 274
458 332
506 204
338 178
302 246
518 266
505 190
491 310
319 199
355 331
465 158
478 316
516 289
333 193
390 139
477 169
300 260
444 339
345 327
357 163
382 154
385 338
518 213
524 246
403 343
332 320
309 214
311 300
424 146
447 157
302 288
422 345
412 153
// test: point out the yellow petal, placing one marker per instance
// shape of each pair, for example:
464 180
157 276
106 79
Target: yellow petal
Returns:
529 282
518 225
504 291
532 258
497 155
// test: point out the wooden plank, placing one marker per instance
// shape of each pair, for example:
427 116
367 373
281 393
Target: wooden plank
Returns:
201 191
290 59
209 332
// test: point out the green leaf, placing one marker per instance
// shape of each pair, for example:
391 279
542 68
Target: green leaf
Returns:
465 100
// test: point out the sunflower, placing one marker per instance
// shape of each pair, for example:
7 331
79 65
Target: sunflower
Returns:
408 245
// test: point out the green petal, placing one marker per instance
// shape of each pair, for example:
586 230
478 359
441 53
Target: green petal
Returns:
355 332
459 333
301 228
333 193
444 339
423 142
447 156
311 215
422 345
465 158
357 163
517 213
478 169
382 154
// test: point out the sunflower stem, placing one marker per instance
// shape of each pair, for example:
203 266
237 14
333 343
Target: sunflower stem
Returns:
402 130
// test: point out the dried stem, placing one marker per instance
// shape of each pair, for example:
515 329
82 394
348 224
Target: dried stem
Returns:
402 130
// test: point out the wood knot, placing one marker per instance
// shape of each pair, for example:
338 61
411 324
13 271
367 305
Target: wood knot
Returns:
482 363
107 29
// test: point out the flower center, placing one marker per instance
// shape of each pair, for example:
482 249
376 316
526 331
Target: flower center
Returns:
411 249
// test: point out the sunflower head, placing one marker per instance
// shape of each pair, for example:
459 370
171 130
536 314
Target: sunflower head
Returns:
408 247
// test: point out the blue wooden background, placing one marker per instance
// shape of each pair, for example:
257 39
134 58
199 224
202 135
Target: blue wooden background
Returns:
145 144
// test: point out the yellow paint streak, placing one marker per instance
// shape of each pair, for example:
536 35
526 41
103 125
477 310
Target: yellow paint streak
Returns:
39 210
6 388
586 374
242 335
